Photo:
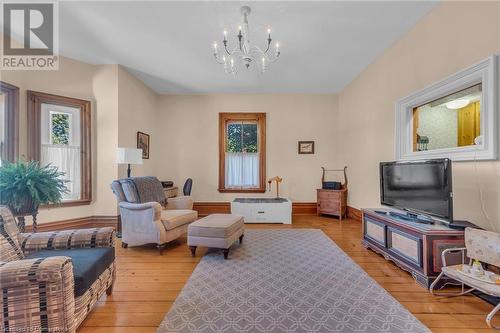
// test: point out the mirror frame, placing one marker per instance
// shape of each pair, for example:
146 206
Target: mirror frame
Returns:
484 72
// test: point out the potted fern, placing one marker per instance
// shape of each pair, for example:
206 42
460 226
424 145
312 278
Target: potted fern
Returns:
24 186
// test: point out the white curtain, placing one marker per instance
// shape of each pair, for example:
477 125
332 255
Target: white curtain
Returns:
242 170
67 160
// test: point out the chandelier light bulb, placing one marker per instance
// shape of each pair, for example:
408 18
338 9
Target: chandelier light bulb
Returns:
277 46
225 32
268 31
215 45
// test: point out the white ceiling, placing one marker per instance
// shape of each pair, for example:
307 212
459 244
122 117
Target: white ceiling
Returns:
168 45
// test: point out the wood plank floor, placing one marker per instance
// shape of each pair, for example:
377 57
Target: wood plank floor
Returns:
147 285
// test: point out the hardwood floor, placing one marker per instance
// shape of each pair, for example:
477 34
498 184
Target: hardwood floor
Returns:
147 285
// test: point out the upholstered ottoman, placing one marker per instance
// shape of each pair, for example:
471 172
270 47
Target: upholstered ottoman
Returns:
217 231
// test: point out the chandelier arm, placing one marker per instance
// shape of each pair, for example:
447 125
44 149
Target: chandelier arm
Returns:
270 59
259 50
217 59
268 45
240 39
274 59
236 51
225 48
265 54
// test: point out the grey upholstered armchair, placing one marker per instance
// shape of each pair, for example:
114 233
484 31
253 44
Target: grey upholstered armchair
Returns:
146 215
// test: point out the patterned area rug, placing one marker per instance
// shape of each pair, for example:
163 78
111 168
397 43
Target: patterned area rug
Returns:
285 281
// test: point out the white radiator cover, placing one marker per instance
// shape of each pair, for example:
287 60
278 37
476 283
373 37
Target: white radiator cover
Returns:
261 210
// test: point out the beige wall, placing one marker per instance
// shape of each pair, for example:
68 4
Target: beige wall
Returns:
105 85
73 79
355 128
137 112
189 140
120 105
453 36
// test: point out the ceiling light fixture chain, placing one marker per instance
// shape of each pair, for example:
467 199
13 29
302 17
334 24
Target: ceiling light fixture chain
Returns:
245 52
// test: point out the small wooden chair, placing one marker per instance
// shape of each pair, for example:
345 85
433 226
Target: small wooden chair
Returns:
479 245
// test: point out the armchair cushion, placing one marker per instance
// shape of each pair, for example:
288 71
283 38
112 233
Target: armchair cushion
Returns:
117 189
67 239
149 189
487 288
129 190
139 190
184 202
10 248
175 218
88 264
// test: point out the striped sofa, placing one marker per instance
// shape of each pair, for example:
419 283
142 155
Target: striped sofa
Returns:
44 291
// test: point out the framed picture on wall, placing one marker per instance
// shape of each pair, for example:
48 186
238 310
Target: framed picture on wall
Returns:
306 147
143 144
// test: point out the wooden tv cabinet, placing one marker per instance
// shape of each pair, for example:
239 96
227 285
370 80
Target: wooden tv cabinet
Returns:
414 247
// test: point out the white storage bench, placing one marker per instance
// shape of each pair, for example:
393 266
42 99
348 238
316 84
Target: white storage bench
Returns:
263 210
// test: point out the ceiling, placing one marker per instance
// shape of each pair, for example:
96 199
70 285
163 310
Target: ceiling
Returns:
168 45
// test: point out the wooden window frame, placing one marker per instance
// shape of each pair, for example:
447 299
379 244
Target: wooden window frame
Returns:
11 120
35 101
260 118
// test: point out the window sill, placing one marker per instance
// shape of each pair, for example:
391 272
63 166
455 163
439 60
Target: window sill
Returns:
69 203
246 190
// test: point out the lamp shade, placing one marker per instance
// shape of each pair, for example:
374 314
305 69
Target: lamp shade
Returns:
129 156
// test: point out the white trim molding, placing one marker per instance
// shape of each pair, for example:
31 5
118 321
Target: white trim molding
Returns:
485 72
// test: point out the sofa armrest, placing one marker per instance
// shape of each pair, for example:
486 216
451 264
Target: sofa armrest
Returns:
38 294
141 223
183 202
67 239
127 208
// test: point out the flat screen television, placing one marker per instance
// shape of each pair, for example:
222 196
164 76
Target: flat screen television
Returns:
423 187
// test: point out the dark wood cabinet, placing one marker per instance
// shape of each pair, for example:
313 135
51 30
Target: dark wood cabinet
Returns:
332 202
414 247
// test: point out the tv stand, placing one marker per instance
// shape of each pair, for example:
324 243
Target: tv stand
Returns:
413 246
461 225
412 217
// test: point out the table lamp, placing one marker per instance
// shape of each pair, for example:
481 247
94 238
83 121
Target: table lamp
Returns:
129 156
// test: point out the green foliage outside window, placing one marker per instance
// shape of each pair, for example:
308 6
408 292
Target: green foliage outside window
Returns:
242 138
60 129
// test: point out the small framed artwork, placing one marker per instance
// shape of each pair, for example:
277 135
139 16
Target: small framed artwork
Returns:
143 144
306 147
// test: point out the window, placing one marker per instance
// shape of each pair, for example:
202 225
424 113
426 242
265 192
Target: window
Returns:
242 152
59 134
9 120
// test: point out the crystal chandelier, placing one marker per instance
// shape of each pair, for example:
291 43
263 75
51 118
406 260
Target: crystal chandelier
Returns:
245 52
